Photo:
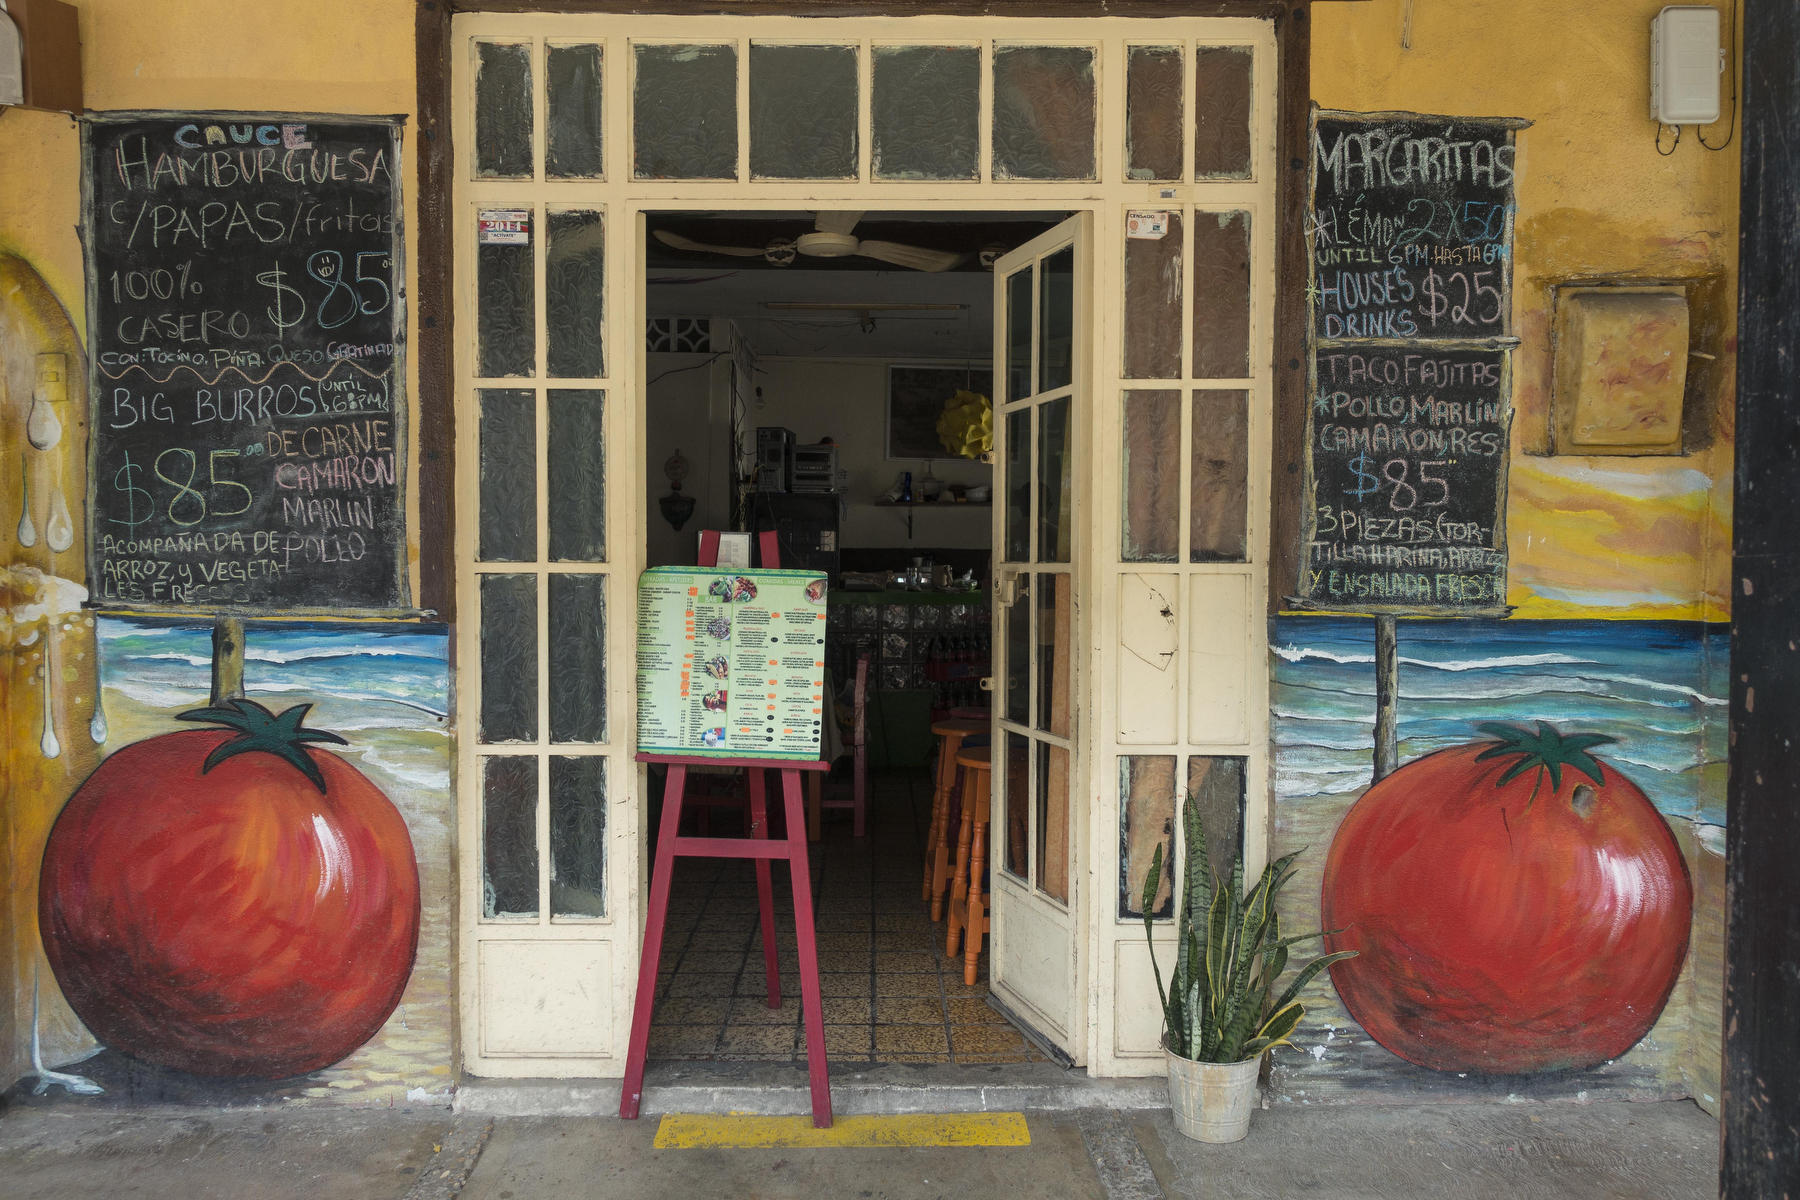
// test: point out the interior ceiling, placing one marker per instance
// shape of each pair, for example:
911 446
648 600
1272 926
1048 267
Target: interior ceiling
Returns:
691 284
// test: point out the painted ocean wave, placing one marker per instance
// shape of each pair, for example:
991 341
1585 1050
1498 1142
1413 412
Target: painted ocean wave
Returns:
1657 688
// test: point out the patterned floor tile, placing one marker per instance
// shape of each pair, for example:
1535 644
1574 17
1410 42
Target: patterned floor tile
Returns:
911 1039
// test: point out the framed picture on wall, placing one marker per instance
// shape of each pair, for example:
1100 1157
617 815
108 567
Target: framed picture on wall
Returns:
915 399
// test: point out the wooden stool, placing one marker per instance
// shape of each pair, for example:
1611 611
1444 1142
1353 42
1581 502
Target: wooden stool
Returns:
951 735
971 713
968 905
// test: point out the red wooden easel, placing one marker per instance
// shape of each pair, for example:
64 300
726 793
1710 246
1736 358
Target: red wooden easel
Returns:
791 847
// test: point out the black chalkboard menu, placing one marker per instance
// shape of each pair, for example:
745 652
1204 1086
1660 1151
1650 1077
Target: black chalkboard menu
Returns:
1410 290
245 316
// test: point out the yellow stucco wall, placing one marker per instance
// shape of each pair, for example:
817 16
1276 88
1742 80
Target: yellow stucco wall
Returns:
1624 537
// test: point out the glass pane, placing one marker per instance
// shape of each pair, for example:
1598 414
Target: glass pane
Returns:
503 111
506 312
508 475
1222 112
1217 786
578 658
1053 822
578 836
577 475
1054 630
509 851
1221 295
1056 495
575 293
1219 520
1146 819
1043 112
684 112
1018 655
572 85
802 112
1153 113
509 658
1018 805
1018 334
926 112
1153 304
1018 486
1056 320
1152 469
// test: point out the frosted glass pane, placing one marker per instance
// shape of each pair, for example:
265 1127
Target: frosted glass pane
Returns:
1056 482
509 851
503 111
573 89
578 836
1221 295
505 321
1018 485
575 294
1056 320
926 112
1018 655
1219 517
1055 641
802 112
684 112
1222 112
1146 821
577 658
1153 283
1017 815
508 475
577 475
1018 334
1053 822
1043 112
1152 483
509 658
1153 113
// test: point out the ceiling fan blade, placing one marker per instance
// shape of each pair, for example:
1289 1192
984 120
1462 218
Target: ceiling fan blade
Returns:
916 257
838 222
686 243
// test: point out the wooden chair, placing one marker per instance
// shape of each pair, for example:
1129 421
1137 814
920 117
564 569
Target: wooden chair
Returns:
951 736
968 903
857 801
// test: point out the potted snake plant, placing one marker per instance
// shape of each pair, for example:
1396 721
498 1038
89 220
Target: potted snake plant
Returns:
1221 1011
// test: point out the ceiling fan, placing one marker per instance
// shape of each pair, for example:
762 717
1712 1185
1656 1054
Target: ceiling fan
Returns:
831 238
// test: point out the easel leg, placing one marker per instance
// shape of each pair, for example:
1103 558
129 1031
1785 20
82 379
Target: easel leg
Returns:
812 1010
765 895
644 1006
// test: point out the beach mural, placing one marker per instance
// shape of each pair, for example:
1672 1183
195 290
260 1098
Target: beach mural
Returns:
1536 892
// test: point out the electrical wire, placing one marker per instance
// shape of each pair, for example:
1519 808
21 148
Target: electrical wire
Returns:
1672 145
1736 71
707 362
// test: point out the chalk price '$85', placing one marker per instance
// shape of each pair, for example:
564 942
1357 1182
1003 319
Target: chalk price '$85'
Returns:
187 504
1395 472
344 299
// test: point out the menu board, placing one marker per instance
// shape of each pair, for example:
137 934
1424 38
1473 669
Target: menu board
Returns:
1407 458
245 295
1411 226
1408 429
731 662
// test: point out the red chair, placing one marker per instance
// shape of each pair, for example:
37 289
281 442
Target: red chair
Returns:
857 801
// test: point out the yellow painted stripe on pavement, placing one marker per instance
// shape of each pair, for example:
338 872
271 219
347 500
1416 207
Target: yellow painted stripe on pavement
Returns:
695 1131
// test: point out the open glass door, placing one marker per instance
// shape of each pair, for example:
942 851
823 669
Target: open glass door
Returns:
1040 372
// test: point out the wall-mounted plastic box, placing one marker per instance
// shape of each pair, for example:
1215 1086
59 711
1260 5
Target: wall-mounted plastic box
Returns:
1686 61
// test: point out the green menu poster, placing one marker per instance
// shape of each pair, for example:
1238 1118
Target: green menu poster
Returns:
731 662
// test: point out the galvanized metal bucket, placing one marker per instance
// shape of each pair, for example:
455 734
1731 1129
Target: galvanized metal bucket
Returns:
1211 1102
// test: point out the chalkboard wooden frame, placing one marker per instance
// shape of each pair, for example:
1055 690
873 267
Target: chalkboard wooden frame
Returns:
916 392
1393 337
376 584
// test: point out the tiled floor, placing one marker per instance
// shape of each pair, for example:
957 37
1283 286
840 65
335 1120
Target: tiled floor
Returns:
890 994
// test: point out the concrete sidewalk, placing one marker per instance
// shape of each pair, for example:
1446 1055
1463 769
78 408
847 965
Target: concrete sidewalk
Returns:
49 1151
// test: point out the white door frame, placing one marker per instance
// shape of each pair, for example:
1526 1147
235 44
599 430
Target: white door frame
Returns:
552 997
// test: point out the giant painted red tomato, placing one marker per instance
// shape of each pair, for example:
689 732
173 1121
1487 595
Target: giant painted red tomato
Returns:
231 903
1520 907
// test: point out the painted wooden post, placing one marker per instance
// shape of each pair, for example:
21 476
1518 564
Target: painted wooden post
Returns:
1387 697
1761 1101
228 659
